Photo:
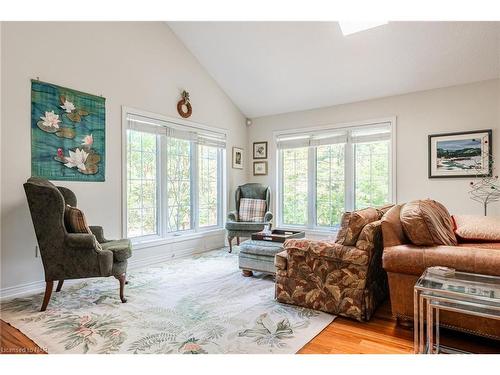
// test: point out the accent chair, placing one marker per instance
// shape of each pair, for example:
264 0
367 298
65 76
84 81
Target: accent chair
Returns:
71 255
237 228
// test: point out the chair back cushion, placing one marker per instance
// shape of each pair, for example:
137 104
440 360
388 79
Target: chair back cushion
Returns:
352 224
427 223
252 191
252 209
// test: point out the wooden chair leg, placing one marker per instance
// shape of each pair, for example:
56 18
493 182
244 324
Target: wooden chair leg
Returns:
247 273
230 240
59 285
122 279
238 241
48 292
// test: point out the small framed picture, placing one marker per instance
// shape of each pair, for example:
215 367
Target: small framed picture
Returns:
260 150
260 168
237 158
464 154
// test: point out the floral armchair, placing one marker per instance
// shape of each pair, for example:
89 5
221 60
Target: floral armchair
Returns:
345 280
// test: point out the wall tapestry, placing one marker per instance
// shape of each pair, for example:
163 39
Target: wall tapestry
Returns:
460 154
67 133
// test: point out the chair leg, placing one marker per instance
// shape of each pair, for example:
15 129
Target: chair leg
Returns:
59 285
48 292
122 280
238 241
230 240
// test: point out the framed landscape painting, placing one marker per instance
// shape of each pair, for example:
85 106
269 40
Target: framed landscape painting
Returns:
463 154
67 133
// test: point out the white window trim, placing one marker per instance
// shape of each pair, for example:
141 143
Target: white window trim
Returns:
162 237
309 227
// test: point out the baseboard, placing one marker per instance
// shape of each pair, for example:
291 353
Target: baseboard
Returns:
39 286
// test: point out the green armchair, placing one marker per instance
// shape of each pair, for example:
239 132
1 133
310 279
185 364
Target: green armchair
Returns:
236 228
71 255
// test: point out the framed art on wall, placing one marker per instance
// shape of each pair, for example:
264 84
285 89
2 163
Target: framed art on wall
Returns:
67 133
461 154
260 150
260 168
237 158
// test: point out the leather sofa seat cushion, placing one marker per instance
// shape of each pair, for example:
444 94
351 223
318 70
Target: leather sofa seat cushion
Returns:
413 260
427 223
352 224
481 245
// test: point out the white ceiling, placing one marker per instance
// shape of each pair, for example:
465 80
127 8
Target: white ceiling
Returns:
275 67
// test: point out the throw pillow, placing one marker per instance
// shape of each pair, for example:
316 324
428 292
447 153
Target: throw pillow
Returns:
75 222
427 223
252 209
352 223
477 228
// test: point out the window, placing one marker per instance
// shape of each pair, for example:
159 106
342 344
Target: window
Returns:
326 172
173 178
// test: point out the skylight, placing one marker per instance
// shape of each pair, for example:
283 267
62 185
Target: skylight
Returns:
351 27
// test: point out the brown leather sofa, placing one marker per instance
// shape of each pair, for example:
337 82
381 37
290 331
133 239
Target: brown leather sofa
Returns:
405 262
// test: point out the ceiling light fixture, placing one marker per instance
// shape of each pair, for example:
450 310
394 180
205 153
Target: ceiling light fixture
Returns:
351 27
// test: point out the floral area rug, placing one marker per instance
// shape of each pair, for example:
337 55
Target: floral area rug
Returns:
200 304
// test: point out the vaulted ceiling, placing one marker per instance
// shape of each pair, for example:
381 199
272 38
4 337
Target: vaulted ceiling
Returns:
275 67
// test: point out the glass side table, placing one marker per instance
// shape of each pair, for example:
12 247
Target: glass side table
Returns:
465 293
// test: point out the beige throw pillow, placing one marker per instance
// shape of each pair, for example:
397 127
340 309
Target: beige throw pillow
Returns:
477 228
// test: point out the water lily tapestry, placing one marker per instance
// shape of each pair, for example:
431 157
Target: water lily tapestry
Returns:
67 133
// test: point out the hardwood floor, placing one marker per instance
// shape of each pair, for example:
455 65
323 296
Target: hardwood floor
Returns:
381 335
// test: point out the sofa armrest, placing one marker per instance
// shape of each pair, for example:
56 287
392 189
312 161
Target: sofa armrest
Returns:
232 216
98 233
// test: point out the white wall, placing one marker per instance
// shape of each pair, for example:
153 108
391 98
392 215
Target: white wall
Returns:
465 107
141 65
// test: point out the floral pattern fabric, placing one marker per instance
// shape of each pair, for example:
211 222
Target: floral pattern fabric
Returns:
338 279
187 306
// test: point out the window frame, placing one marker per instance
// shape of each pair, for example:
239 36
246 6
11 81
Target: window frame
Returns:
349 172
163 235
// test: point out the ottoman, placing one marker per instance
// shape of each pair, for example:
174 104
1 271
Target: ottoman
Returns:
258 256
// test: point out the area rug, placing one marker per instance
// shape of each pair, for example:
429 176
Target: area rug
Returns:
200 304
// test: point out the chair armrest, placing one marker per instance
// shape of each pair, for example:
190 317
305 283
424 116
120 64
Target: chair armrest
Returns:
370 238
80 241
268 216
326 250
232 216
98 233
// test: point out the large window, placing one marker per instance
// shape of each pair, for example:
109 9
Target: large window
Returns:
173 178
326 172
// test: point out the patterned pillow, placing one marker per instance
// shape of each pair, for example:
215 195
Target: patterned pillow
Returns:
426 223
75 222
252 209
352 224
477 228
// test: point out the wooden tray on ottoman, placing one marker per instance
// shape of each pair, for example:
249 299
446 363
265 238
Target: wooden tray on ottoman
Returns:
278 235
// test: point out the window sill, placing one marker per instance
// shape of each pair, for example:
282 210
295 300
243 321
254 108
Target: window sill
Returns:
143 244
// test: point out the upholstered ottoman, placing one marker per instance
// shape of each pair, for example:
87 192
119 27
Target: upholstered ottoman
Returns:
258 256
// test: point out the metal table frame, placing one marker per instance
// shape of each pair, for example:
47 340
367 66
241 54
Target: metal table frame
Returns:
427 304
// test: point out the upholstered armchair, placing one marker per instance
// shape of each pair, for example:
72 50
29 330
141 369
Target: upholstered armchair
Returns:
237 228
71 255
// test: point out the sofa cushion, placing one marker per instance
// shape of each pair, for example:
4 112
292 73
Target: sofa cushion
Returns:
413 260
392 230
252 210
427 223
470 228
352 224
